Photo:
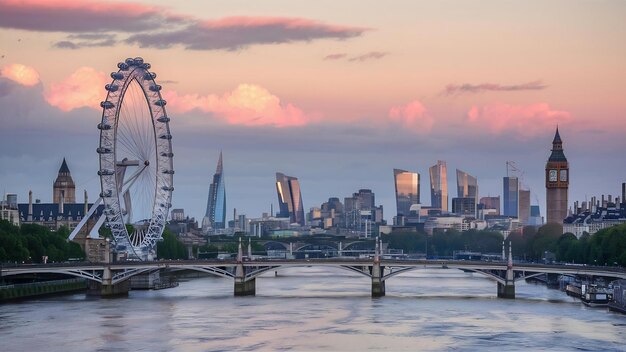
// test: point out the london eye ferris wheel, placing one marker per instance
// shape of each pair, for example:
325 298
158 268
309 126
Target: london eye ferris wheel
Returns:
135 154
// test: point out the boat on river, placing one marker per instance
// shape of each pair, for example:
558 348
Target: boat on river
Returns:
594 295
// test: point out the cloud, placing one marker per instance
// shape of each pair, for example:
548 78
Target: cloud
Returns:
24 75
83 88
456 89
412 116
235 33
248 105
524 120
83 16
158 27
372 55
335 56
86 40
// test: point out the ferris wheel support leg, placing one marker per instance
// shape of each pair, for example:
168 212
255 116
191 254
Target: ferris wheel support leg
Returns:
83 221
94 230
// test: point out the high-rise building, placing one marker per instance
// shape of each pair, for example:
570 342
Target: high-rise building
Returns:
510 195
439 186
289 198
524 206
216 204
466 185
491 203
64 189
557 182
407 190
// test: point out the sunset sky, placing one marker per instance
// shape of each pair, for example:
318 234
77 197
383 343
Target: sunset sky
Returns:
336 93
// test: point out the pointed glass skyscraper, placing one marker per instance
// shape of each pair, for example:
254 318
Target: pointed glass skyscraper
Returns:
216 205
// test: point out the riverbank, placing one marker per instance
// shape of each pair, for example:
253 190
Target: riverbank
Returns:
35 289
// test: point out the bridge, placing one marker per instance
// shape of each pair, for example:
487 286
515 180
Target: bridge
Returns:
112 278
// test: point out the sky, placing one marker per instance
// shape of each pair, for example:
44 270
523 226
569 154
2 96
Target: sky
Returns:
334 93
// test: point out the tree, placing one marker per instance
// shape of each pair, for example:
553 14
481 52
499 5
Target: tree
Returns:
171 248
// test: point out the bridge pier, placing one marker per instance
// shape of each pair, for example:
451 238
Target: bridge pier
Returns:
506 290
107 288
245 288
378 284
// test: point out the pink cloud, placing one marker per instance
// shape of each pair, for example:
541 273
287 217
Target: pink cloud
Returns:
24 75
524 120
413 116
80 16
248 105
83 88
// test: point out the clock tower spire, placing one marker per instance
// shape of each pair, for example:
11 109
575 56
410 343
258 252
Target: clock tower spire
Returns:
557 182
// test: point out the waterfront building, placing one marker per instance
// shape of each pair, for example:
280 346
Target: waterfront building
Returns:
407 185
557 182
63 188
289 198
216 204
510 195
439 186
591 222
458 223
61 212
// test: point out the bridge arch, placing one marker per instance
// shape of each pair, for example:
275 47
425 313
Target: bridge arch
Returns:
260 271
489 275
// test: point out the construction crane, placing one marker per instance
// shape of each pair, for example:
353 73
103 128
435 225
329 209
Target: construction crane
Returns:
511 165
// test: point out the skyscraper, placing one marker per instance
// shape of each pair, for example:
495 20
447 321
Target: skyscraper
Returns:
64 187
510 195
466 184
216 204
289 198
439 186
557 182
524 206
407 190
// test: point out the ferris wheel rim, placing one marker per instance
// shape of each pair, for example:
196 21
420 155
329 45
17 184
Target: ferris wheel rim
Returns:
140 242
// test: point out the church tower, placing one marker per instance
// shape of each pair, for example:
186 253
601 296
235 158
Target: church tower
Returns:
557 182
64 187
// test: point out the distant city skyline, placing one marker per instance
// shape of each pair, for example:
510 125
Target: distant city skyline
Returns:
338 98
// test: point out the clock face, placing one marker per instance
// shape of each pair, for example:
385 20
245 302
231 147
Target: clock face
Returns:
563 175
552 176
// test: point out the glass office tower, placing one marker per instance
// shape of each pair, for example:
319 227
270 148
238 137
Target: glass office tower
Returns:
439 186
216 205
466 184
510 195
289 198
407 190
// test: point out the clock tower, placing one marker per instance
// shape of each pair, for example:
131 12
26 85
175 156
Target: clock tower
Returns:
557 182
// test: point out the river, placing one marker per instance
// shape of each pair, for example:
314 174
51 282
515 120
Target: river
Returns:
306 309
